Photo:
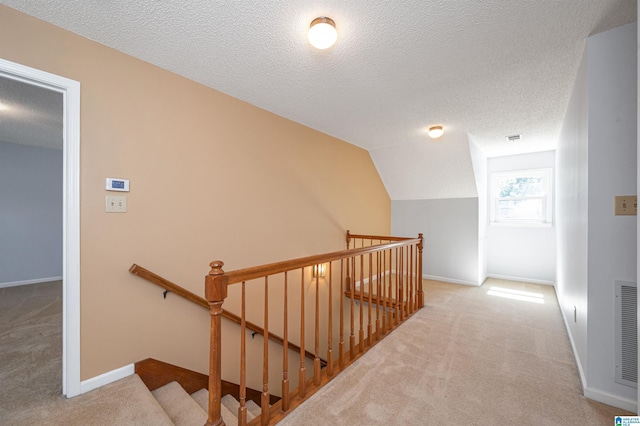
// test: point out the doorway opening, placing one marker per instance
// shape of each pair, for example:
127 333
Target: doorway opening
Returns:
70 91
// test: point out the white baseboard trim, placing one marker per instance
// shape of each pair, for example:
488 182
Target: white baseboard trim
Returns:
27 282
607 398
521 279
106 378
583 378
450 280
594 394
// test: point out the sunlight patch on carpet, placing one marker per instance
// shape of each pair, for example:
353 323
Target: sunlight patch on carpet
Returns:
525 296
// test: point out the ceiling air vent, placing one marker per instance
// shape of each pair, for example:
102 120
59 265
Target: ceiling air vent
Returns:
514 138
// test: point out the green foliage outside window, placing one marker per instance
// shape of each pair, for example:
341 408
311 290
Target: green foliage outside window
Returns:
521 187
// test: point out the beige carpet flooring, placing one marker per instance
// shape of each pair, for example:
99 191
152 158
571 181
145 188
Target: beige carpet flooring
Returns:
467 358
30 344
31 370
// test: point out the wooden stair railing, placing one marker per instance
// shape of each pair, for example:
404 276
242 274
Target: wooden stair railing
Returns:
183 292
387 275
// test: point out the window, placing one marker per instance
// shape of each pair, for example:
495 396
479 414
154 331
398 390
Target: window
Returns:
521 197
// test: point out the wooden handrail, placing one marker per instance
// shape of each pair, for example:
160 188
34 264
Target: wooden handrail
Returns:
168 285
201 301
377 237
248 274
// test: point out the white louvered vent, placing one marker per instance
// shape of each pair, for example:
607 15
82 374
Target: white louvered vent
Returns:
626 333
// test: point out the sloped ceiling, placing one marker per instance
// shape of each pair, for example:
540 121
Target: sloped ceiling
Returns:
486 68
411 171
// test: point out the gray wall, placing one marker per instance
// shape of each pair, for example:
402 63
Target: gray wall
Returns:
596 160
571 217
480 171
30 213
612 102
450 228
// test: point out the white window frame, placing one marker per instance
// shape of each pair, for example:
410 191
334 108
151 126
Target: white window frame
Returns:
547 198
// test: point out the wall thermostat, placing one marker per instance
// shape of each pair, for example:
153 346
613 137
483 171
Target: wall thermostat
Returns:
115 184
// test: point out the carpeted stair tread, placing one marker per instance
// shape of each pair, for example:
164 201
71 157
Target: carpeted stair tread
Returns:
230 417
179 406
253 409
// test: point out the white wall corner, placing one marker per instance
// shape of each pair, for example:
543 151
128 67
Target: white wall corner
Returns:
638 180
106 378
451 280
521 279
583 377
609 399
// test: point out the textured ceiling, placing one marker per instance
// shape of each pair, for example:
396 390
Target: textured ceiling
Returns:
30 115
487 68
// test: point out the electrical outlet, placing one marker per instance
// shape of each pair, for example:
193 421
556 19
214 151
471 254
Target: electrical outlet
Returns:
116 204
626 205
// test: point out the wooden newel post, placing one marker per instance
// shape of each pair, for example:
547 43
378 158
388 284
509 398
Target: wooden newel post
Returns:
420 291
215 292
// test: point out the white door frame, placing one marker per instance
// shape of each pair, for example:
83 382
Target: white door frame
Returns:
70 90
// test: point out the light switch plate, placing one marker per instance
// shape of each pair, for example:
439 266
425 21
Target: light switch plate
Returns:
116 204
626 205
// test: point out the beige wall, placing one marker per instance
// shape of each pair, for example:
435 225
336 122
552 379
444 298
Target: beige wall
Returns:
211 178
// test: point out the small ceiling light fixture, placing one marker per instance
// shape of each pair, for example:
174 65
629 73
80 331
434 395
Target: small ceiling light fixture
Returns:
322 33
435 132
514 138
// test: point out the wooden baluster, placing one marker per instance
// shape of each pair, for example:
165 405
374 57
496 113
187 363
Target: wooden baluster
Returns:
408 280
215 293
392 290
265 359
420 290
348 274
285 349
405 269
402 290
330 338
341 343
369 307
378 325
242 410
398 275
316 360
383 286
390 294
416 279
361 291
408 275
352 337
302 374
411 274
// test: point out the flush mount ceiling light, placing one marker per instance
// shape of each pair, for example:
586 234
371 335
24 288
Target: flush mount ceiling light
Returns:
435 132
514 138
322 33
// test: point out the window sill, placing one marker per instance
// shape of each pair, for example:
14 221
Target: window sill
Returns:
521 224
